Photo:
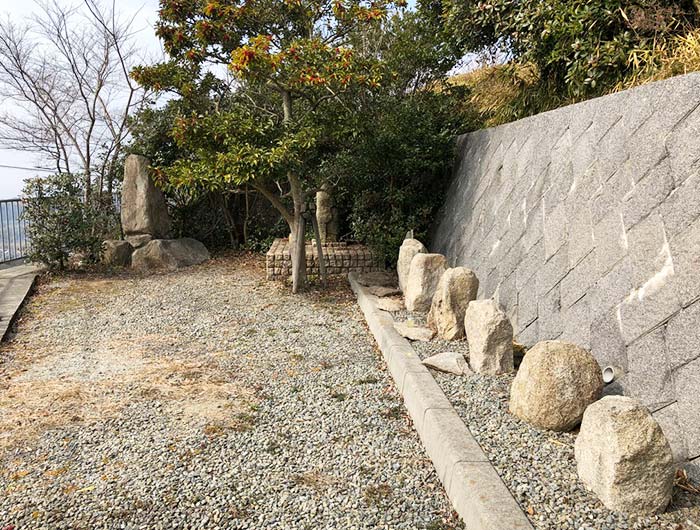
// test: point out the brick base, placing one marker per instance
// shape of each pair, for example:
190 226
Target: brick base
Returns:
340 258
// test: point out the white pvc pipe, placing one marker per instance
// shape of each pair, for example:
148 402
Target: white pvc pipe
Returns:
610 373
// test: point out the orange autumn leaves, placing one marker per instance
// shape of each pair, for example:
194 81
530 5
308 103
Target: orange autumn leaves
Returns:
305 63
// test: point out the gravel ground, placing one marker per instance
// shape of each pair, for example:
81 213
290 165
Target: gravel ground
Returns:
206 398
538 466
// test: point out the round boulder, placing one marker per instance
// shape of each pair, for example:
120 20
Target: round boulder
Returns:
623 456
554 384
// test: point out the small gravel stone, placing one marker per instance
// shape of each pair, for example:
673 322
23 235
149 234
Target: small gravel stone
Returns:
538 466
123 429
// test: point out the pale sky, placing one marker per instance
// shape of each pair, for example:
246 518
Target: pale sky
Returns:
11 180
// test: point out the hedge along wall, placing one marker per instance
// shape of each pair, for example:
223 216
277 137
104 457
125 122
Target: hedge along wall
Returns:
584 223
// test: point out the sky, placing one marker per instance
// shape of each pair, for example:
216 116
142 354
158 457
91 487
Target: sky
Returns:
11 180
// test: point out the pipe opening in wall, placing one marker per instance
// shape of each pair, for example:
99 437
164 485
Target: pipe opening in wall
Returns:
611 373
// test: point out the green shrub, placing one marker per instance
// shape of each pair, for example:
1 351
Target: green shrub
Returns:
398 168
580 48
61 224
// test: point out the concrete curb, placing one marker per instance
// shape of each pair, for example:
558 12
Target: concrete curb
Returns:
477 492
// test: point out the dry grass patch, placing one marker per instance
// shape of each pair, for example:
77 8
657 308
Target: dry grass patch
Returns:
47 383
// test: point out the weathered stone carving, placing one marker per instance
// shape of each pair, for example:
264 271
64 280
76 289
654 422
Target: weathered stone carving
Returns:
409 248
490 337
457 287
143 209
423 278
555 383
326 215
623 456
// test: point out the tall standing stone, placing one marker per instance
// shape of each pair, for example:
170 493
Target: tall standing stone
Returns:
457 287
623 456
423 278
490 337
143 209
555 383
326 215
409 248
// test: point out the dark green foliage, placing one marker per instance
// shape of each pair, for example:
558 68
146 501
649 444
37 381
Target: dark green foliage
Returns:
398 169
581 48
395 168
61 224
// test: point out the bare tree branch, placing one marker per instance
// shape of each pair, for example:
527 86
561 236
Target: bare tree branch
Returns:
67 70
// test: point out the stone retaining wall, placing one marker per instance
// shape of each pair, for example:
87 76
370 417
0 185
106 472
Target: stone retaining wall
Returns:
584 223
340 258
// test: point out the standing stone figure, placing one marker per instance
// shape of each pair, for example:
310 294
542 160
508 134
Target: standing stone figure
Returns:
144 212
326 215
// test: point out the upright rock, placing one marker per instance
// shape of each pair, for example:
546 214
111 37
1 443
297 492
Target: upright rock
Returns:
423 278
555 383
457 287
169 254
144 212
490 337
623 456
409 248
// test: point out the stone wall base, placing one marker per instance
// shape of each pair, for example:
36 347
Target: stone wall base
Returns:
339 257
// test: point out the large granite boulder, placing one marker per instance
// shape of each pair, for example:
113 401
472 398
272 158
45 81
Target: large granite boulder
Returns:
116 253
169 254
457 287
143 208
555 383
623 456
409 248
490 337
423 278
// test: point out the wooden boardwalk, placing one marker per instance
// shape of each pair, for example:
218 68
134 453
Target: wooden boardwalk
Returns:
15 284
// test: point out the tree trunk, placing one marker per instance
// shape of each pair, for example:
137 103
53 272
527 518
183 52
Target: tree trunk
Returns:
298 251
319 251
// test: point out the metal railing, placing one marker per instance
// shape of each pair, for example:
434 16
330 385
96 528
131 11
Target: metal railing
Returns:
13 231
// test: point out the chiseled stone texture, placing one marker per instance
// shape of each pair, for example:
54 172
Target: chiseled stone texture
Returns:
623 456
585 222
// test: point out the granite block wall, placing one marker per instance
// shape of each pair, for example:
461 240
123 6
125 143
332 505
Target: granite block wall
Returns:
584 223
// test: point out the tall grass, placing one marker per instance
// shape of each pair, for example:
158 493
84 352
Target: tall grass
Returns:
665 58
503 93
